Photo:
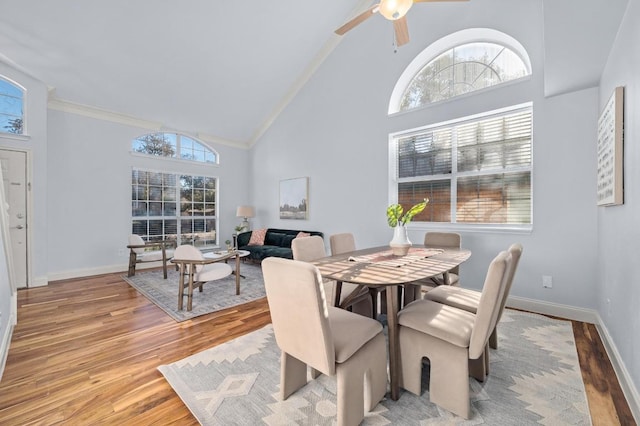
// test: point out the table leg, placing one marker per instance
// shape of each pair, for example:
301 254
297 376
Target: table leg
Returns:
181 287
237 275
336 301
394 354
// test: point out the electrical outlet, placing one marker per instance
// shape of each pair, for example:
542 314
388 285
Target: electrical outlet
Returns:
547 281
122 252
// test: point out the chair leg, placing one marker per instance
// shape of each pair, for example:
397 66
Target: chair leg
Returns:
132 263
293 375
493 339
449 374
368 365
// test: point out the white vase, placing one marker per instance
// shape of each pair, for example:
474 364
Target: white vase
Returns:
400 243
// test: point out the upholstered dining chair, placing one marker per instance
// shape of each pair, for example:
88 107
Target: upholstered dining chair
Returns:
468 299
454 341
308 249
435 240
344 243
138 253
192 263
332 341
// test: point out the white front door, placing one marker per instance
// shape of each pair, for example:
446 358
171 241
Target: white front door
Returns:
14 176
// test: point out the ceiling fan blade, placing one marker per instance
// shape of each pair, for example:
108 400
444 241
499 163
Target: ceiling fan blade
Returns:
402 31
357 20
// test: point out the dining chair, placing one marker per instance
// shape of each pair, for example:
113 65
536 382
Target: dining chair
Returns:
344 243
436 240
138 253
468 299
192 263
312 248
454 341
311 332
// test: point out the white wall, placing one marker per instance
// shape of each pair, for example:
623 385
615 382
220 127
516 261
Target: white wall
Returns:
619 226
89 195
336 132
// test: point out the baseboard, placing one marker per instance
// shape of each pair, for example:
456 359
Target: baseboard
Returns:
6 338
626 383
555 309
88 272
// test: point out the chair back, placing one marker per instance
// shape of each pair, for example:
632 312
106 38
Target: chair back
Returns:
188 252
445 240
308 249
342 243
516 252
489 304
299 312
136 240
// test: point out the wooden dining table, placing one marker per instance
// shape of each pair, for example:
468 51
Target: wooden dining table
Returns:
378 267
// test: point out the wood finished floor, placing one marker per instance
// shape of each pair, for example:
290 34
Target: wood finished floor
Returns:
85 352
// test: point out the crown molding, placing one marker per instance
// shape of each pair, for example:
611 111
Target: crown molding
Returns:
116 117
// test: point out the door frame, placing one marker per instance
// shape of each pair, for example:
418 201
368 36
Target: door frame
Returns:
29 204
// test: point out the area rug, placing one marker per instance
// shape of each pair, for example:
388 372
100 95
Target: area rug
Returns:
534 379
217 295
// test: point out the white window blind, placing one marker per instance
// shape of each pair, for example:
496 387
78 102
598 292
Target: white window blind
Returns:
475 171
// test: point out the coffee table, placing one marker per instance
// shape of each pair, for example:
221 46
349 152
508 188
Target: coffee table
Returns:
224 255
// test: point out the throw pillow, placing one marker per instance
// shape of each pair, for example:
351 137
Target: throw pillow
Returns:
303 234
257 237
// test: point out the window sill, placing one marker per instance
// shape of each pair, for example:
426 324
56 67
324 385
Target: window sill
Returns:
471 228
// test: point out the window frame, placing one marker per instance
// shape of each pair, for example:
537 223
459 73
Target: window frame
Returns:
178 149
394 179
177 217
434 50
23 106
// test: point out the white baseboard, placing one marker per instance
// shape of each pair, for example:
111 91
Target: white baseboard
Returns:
563 311
6 338
79 273
626 383
590 316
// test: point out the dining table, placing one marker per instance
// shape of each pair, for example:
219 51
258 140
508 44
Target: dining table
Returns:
379 267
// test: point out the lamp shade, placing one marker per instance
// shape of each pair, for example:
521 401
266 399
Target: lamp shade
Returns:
245 211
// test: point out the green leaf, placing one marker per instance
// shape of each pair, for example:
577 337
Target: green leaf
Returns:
414 211
394 211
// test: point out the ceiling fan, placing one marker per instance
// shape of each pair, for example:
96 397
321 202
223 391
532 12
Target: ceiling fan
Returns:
393 10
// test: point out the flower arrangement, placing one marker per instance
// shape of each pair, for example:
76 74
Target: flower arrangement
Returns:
395 216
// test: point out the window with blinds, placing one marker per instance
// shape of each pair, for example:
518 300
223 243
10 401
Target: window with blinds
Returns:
175 207
473 171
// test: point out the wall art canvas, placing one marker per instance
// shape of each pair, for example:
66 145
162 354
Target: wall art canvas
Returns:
610 147
294 198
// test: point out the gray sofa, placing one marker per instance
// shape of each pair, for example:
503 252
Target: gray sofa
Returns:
277 243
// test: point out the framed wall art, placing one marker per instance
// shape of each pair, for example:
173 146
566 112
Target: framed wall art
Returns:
610 151
294 198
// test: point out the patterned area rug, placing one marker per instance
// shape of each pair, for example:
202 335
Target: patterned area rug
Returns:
216 295
534 379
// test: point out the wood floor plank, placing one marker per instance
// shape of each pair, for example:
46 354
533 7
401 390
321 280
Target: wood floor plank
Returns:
86 351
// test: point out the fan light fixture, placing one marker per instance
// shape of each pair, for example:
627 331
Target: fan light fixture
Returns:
395 9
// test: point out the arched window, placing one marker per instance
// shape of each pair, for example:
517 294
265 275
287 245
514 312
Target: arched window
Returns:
461 63
11 108
174 145
174 202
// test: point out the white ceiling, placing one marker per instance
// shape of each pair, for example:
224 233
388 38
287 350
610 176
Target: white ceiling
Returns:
226 68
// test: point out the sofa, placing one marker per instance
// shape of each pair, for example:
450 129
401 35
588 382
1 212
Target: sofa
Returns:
277 243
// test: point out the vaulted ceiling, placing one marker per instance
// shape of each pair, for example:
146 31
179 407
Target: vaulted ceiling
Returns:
225 69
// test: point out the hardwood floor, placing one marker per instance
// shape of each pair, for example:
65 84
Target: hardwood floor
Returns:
85 352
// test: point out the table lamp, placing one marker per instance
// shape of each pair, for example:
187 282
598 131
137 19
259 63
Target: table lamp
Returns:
245 212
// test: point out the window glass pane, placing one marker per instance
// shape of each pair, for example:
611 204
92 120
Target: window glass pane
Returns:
166 145
139 208
501 198
425 154
11 101
462 69
438 192
139 227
